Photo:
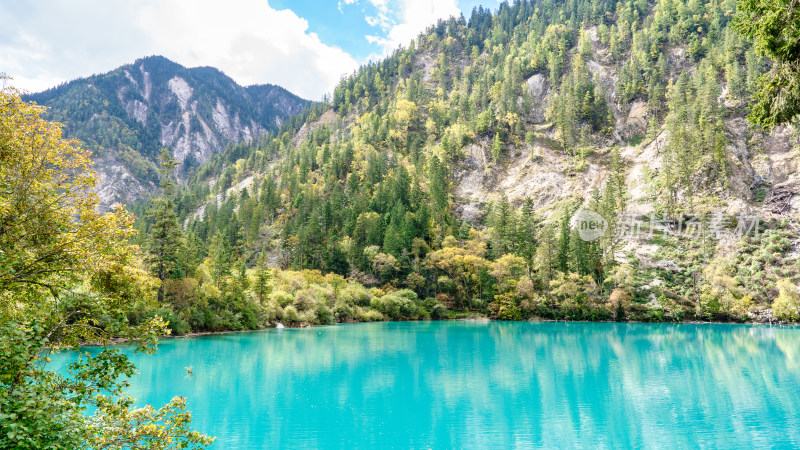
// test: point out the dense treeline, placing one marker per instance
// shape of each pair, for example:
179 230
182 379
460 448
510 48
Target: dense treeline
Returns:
363 192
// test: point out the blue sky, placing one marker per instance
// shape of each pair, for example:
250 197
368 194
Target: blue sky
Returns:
303 45
348 25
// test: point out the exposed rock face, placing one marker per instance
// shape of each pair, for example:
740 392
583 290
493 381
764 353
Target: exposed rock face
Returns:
636 121
126 116
769 162
759 162
539 89
181 89
117 182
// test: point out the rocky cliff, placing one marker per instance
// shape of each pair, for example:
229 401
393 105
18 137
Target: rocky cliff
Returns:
126 116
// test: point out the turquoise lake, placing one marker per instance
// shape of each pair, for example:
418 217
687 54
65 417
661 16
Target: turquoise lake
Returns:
486 384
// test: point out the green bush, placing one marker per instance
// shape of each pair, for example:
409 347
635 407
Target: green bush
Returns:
271 312
290 315
175 323
342 311
368 315
325 315
282 297
396 307
787 305
250 316
309 317
227 321
439 311
303 301
356 295
504 308
201 319
407 294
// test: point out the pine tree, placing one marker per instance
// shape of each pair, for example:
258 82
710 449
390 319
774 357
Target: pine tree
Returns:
504 223
220 253
581 254
736 80
526 233
774 28
439 190
392 240
563 247
263 280
166 237
497 148
612 202
335 258
753 69
313 242
241 281
680 153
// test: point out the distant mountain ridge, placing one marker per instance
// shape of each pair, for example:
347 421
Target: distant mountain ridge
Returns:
127 115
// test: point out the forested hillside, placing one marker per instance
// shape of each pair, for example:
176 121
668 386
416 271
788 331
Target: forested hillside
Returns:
445 179
126 116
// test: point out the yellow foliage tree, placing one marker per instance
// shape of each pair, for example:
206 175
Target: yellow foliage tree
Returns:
787 305
68 275
722 293
506 267
464 265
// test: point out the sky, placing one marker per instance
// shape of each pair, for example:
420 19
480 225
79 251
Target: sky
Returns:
302 45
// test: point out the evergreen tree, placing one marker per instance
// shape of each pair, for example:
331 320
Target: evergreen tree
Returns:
563 247
219 252
263 278
774 26
439 190
497 148
504 224
612 203
166 237
336 259
526 233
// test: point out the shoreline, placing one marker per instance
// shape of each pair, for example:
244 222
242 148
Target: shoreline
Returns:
119 341
483 320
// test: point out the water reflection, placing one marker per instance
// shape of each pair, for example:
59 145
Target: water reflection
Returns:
465 384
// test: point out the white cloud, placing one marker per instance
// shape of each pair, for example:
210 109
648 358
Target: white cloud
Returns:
412 17
382 5
51 41
381 20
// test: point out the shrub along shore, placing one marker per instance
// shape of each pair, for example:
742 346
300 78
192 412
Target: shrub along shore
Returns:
309 298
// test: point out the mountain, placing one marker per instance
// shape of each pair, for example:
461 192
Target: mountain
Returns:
127 115
563 160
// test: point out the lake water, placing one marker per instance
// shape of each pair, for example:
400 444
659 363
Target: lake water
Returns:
486 384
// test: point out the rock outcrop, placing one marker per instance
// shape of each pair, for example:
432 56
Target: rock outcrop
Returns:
126 116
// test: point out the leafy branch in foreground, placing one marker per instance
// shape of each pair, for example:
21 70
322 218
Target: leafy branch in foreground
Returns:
68 275
774 26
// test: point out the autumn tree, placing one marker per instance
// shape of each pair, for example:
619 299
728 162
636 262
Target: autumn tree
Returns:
68 275
787 305
505 268
463 264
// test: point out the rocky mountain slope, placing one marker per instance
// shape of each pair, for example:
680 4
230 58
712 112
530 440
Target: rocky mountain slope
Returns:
762 164
127 115
465 169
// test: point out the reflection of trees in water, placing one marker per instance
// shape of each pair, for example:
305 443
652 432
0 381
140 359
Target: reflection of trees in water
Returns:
494 383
